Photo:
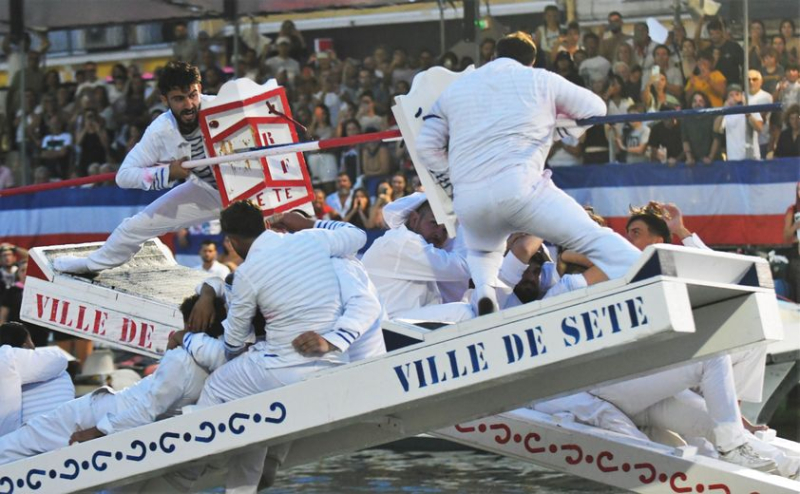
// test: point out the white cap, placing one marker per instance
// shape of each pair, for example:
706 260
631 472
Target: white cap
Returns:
396 212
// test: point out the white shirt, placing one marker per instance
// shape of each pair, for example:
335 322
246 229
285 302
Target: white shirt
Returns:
741 136
177 382
761 98
405 269
336 203
361 302
499 116
18 367
291 279
217 269
45 396
595 68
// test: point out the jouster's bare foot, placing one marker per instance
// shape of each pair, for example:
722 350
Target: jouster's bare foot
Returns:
72 264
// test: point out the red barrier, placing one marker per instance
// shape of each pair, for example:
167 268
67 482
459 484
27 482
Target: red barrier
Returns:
74 182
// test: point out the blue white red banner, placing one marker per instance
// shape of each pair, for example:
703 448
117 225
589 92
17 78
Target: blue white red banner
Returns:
729 203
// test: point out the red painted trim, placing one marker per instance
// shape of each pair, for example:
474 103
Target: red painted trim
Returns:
34 271
288 206
245 102
30 189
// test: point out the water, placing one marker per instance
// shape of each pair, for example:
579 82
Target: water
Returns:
388 472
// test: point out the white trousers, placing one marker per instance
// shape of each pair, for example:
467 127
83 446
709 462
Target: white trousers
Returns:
245 376
517 201
653 401
749 367
187 204
52 430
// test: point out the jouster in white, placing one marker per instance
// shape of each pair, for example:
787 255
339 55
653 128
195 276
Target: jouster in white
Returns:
486 139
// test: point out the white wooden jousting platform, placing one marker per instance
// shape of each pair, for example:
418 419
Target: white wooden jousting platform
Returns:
675 305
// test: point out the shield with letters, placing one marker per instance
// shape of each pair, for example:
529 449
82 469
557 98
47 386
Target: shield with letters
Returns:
247 115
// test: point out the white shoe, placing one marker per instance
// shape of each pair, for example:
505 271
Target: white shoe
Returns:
746 457
72 264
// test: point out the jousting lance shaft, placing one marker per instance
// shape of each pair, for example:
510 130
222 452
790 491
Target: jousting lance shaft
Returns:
304 147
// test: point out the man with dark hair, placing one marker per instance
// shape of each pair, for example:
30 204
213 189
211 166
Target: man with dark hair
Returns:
731 55
613 36
490 158
291 280
155 164
176 383
32 381
647 226
209 263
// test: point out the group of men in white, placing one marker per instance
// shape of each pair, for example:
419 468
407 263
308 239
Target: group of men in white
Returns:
327 306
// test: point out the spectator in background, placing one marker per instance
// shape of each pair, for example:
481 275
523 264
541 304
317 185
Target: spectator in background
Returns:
93 141
213 79
322 210
90 80
359 213
283 62
787 29
41 175
697 134
341 200
788 91
731 55
399 69
322 165
665 140
545 36
655 94
57 148
488 44
771 72
329 96
449 60
184 49
383 197
789 140
643 46
8 265
399 185
758 41
350 159
741 131
708 81
633 142
367 115
779 44
119 83
661 59
688 65
13 55
565 67
618 104
376 162
595 67
108 168
569 42
208 260
758 96
368 85
34 82
11 305
297 44
624 53
613 38
674 42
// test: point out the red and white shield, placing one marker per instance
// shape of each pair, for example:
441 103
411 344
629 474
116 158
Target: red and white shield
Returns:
246 115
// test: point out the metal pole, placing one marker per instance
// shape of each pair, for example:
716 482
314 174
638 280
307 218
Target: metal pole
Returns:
23 158
746 50
236 41
442 42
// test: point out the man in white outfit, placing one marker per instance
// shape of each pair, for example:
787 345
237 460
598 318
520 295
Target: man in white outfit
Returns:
291 279
155 164
209 264
33 381
486 140
408 262
177 382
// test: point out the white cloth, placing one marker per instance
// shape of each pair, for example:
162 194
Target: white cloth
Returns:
277 64
741 139
637 397
217 269
405 269
290 278
360 297
188 204
761 98
395 214
45 396
595 68
18 367
494 127
497 117
177 382
591 410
